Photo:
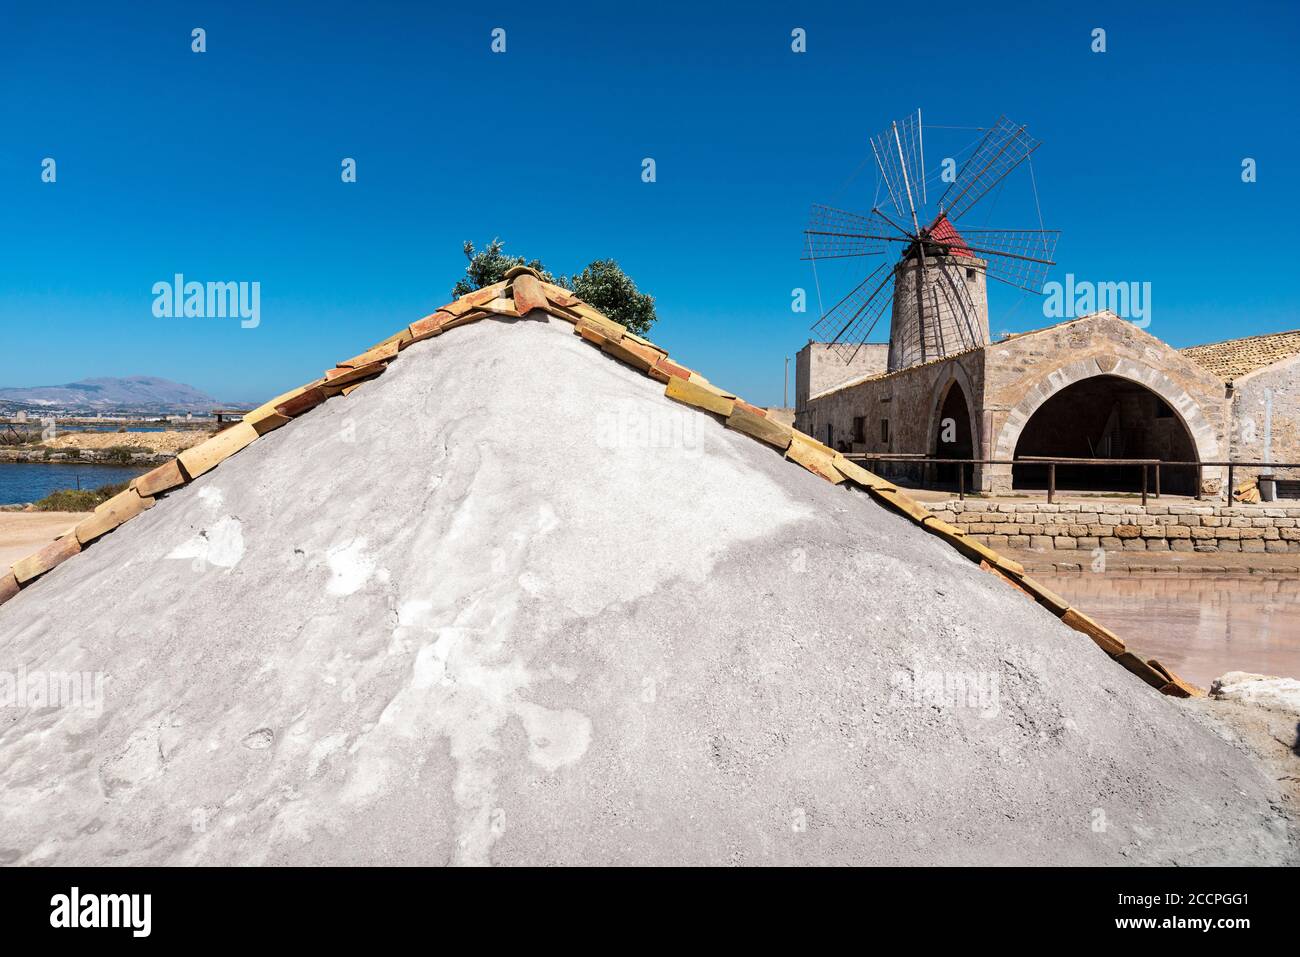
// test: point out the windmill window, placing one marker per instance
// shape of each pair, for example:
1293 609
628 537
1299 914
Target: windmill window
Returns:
830 435
859 428
970 275
884 431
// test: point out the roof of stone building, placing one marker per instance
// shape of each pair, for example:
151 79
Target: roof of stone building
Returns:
1235 358
850 383
873 376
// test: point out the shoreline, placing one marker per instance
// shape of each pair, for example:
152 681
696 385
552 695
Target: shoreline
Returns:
139 449
47 456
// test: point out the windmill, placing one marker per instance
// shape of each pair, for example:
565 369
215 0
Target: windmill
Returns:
938 293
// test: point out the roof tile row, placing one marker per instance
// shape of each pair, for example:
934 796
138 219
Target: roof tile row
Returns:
1238 357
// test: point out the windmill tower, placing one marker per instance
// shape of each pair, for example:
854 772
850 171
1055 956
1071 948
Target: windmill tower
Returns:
941 304
936 289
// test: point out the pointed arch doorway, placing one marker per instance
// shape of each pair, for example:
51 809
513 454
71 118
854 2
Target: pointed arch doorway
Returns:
952 438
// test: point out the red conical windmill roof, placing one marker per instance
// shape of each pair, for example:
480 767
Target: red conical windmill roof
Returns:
945 232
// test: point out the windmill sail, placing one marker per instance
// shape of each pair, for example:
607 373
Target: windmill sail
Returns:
898 153
837 233
1017 257
966 328
936 288
1004 147
853 317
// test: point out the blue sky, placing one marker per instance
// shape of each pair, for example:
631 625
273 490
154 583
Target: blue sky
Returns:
225 165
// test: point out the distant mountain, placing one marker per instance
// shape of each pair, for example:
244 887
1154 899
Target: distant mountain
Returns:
131 394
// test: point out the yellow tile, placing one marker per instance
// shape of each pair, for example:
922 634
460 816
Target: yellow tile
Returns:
1109 642
165 477
217 449
120 508
857 474
813 456
528 293
694 394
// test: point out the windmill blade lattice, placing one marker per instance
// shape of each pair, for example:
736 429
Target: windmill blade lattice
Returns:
1004 147
837 233
899 154
852 318
844 351
1017 257
958 303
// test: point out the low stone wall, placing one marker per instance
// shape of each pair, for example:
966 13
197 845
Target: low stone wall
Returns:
1083 525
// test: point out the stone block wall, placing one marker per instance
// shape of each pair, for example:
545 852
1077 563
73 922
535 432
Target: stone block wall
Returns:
1070 526
1266 409
818 367
909 400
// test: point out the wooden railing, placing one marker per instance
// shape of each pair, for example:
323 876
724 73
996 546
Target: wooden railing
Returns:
1149 467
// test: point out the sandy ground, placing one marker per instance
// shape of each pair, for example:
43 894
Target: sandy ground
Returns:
22 533
508 604
164 442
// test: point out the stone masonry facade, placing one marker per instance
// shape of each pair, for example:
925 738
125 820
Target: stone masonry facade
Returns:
1083 525
1266 410
1026 370
1007 381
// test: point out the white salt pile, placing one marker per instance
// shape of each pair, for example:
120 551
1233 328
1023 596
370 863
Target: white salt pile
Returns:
510 604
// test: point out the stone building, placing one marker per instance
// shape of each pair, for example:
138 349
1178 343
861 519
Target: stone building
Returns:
1261 376
1093 387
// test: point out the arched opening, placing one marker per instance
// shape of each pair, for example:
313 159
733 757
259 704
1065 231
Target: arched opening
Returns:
952 437
1105 417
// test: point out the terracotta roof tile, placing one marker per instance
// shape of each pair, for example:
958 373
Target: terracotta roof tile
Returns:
1237 357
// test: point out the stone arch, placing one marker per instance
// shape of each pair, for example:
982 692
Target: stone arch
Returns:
959 377
1184 406
941 395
